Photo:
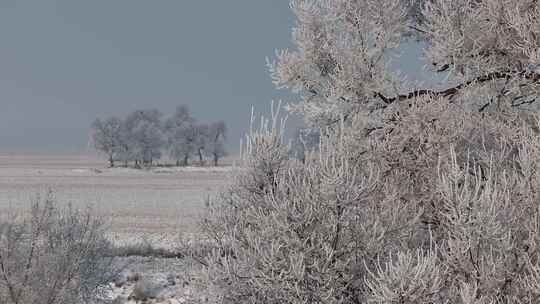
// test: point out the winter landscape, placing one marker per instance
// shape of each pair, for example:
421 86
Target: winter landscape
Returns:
402 166
154 208
135 201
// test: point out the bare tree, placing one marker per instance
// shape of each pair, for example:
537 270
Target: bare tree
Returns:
217 134
106 136
415 196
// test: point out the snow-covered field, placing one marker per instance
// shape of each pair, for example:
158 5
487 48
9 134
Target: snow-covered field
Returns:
156 206
160 200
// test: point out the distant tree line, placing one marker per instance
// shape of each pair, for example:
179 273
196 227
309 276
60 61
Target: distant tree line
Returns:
142 137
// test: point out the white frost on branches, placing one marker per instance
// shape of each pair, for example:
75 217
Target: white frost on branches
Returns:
424 195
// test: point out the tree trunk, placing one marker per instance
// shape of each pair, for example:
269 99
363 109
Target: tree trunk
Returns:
111 161
201 161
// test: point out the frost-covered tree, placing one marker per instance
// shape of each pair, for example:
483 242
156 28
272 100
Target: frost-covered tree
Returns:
215 147
186 137
187 141
423 195
126 151
202 139
181 118
144 135
106 137
181 134
341 64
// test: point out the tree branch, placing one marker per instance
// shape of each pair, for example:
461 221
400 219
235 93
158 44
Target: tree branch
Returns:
7 281
483 53
452 91
449 92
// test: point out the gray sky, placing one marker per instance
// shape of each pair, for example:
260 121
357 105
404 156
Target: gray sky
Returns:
65 62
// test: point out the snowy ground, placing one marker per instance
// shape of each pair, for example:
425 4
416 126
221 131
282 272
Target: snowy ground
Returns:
153 206
165 281
160 200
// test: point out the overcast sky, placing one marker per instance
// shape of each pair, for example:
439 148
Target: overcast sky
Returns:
64 63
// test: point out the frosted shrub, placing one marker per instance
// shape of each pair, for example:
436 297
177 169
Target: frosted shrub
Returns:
290 232
53 256
414 196
336 230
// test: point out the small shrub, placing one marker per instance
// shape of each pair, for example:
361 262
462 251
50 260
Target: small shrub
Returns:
53 255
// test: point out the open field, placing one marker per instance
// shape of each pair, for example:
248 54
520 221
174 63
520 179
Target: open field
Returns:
144 207
136 201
